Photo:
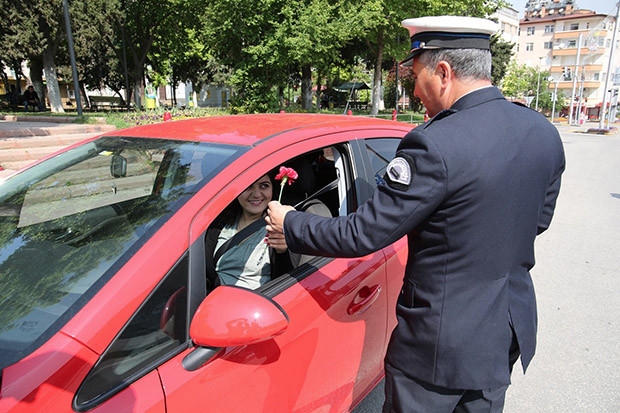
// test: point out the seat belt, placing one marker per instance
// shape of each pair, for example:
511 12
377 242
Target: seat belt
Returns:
237 238
332 185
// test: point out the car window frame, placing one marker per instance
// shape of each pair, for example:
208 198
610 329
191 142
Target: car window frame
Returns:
150 364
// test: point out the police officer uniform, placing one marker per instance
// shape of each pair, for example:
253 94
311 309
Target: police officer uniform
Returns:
471 189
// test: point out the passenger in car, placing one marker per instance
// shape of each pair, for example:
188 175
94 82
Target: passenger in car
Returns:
236 251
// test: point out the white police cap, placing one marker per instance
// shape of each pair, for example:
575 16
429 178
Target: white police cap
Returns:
448 32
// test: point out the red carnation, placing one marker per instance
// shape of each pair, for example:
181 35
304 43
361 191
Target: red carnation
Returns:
286 175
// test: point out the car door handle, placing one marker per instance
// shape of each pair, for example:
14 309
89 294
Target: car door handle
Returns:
364 299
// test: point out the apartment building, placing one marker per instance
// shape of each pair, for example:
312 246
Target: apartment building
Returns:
574 46
508 20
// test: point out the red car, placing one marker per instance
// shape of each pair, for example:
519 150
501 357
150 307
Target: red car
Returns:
104 301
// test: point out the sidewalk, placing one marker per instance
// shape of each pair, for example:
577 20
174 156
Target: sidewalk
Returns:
586 127
25 139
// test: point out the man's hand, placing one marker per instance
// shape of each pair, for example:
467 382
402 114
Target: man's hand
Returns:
275 216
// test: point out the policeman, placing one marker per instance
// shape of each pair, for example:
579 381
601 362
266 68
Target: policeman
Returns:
471 189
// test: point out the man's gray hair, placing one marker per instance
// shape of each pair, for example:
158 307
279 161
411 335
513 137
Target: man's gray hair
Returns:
467 64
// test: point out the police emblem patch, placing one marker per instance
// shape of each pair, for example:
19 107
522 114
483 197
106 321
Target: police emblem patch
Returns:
399 171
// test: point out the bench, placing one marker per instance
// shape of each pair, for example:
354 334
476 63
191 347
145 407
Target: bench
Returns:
13 103
109 102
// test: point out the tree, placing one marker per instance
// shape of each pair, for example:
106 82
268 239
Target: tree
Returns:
501 53
38 29
389 41
98 41
12 52
314 32
524 81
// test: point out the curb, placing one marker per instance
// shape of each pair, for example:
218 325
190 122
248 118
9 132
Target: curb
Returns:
55 130
50 119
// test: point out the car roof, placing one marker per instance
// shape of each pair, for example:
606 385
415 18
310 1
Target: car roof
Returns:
250 129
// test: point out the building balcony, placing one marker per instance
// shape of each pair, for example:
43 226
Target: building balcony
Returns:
588 68
572 51
574 34
568 84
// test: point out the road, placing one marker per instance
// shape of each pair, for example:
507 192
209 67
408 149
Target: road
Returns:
577 281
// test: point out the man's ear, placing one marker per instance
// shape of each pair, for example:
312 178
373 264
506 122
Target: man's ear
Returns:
444 70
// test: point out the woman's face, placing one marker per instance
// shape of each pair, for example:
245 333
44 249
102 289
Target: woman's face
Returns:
255 198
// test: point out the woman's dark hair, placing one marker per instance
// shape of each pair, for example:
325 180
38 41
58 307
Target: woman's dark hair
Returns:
229 215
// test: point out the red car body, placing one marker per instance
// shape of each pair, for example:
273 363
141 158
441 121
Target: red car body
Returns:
309 341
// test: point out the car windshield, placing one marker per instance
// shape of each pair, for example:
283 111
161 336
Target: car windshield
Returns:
67 224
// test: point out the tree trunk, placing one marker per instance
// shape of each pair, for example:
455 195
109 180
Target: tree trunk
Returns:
53 91
84 98
306 87
319 86
137 87
377 99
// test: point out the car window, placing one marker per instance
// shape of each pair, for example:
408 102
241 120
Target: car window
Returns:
155 333
381 151
69 223
322 187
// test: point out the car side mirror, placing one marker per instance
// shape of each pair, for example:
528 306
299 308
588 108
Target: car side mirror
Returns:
118 166
233 316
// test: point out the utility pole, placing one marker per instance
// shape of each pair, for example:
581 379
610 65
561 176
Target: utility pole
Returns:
609 69
538 83
575 72
554 100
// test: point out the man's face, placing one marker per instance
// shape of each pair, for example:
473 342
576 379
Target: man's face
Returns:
428 87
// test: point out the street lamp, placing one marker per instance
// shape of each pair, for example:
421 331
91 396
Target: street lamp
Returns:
538 83
554 99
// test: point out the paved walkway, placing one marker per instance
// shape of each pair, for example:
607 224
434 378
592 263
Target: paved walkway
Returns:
25 139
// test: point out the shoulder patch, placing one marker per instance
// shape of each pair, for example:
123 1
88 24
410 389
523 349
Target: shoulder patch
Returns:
400 172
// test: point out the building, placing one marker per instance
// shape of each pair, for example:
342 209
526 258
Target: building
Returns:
508 19
574 46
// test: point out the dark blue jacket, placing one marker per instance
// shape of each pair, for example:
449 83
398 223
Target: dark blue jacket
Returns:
484 179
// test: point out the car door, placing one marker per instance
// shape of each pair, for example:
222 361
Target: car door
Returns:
380 151
332 352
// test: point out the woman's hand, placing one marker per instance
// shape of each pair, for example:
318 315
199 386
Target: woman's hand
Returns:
276 241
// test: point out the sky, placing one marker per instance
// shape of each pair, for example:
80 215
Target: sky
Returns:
599 6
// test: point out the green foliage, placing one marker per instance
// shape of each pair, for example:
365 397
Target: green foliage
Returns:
502 53
519 80
253 46
523 81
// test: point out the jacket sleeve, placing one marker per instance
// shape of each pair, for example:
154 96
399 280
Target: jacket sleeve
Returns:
395 209
551 197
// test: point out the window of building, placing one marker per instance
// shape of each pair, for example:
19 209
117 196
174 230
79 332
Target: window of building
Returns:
529 47
548 45
549 28
572 43
574 26
531 31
